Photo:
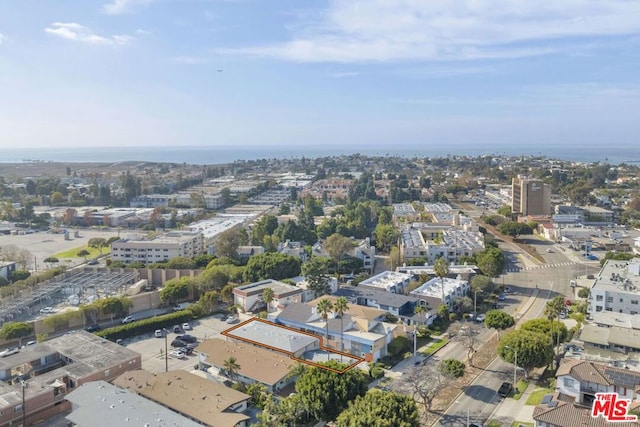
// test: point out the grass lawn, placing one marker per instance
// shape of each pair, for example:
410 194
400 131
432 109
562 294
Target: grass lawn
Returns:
434 346
521 423
520 388
73 253
536 396
494 423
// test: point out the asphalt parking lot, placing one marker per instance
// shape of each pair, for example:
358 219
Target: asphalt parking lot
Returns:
152 349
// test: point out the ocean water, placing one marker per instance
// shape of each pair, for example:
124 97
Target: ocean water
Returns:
202 155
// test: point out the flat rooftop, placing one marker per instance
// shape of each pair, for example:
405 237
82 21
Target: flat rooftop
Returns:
386 280
433 288
279 288
619 276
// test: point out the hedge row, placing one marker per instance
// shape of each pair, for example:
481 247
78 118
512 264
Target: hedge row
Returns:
144 326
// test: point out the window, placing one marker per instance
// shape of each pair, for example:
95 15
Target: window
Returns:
634 302
621 300
599 298
598 308
609 299
568 382
609 309
17 408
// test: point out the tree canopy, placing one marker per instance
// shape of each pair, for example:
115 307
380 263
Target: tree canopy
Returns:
315 270
271 265
380 409
514 229
13 330
326 393
498 319
176 289
534 349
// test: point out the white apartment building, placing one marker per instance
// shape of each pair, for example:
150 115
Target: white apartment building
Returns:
159 249
617 288
213 227
434 288
388 281
441 241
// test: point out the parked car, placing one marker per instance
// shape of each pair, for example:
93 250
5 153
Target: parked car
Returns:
505 389
178 354
186 327
47 310
231 320
93 328
187 338
128 319
159 333
92 262
502 296
480 317
178 343
9 351
507 289
177 329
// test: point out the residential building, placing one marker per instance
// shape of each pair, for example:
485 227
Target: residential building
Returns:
250 297
598 215
198 399
363 330
445 290
554 412
246 252
388 281
617 288
294 249
617 339
581 380
462 271
151 201
530 196
213 227
159 249
329 189
366 252
257 364
51 369
402 306
405 212
100 404
432 241
310 294
6 268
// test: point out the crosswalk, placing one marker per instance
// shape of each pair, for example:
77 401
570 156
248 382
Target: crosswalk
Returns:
516 269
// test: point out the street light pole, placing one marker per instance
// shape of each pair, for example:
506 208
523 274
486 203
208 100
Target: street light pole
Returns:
515 365
24 410
475 314
166 355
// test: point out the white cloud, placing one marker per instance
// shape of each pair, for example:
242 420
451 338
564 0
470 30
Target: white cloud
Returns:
120 7
386 31
80 33
2 38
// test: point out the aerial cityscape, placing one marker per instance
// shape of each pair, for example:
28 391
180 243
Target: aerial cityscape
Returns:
355 213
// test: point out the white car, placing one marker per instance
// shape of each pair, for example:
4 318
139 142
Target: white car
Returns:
480 317
47 310
9 351
128 319
178 354
186 327
159 333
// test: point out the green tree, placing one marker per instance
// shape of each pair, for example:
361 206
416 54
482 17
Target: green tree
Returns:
584 292
441 268
505 211
340 307
452 367
114 306
226 244
514 229
554 330
324 307
553 309
491 261
213 278
271 265
386 236
98 243
380 409
316 272
83 253
482 284
534 349
421 309
180 263
231 367
267 296
499 320
175 290
326 393
336 245
13 330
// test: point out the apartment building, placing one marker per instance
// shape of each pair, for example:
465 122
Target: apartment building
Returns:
530 196
388 281
198 399
617 288
445 290
35 381
158 249
431 241
250 297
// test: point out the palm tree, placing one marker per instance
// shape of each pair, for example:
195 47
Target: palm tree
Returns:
441 268
296 371
267 296
552 310
231 366
325 307
421 309
340 307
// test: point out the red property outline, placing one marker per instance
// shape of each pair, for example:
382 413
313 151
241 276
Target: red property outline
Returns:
229 333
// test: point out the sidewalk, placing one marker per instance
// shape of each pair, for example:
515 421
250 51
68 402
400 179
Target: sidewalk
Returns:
510 410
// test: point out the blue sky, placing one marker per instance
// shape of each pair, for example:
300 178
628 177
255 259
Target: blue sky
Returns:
360 72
